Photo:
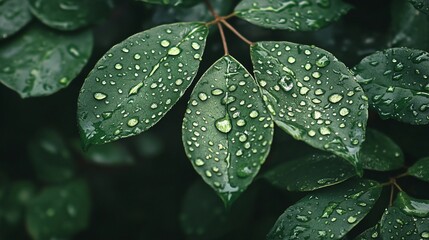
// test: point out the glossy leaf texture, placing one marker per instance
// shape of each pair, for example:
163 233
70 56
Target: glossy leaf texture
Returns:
40 61
412 206
421 5
51 157
312 96
59 211
14 15
328 213
172 2
310 173
69 15
227 132
380 153
370 234
138 81
420 169
294 15
396 82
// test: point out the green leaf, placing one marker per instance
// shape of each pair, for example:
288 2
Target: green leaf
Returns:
421 5
396 83
59 211
69 15
227 132
292 15
328 213
397 225
172 2
40 61
412 206
16 197
14 15
138 81
380 153
310 173
312 96
51 157
111 154
370 234
420 169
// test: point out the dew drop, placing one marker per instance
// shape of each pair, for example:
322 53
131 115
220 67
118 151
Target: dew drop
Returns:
195 46
223 124
425 235
217 92
174 51
202 96
137 56
351 219
99 96
335 98
322 61
286 83
254 114
118 66
344 112
132 122
165 43
199 162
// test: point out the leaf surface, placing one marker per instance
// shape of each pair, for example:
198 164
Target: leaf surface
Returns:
14 15
312 96
420 169
138 81
172 2
421 5
227 131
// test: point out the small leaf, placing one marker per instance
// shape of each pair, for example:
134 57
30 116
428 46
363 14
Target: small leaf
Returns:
420 169
13 205
412 206
111 154
312 96
292 15
227 132
328 213
40 62
310 173
69 15
370 234
59 211
396 82
172 2
422 5
14 15
138 81
380 153
51 158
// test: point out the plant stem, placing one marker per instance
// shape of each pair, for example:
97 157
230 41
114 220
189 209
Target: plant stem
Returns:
222 35
392 189
236 32
217 21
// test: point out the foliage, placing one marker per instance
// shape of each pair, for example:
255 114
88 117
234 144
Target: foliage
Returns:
324 96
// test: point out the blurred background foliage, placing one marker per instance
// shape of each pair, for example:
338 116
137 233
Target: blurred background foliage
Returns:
144 187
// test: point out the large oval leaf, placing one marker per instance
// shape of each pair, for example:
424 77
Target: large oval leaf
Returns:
327 214
310 173
69 15
370 234
227 132
296 15
139 80
312 96
14 14
412 206
420 169
380 153
422 5
39 61
397 85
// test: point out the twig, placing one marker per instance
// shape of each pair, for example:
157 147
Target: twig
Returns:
222 35
391 195
236 32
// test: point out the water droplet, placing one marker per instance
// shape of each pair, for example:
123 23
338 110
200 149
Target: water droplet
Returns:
174 51
291 60
322 61
351 219
199 162
165 43
241 123
254 114
324 131
137 56
202 96
195 46
425 235
344 112
132 122
217 92
286 83
316 75
223 124
118 66
335 98
244 172
99 96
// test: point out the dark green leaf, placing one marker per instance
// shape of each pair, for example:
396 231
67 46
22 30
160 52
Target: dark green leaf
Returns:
39 61
14 15
412 206
69 15
138 81
422 5
172 2
312 96
397 225
310 173
299 15
51 158
420 169
60 211
112 154
16 197
328 213
396 82
227 132
370 234
380 153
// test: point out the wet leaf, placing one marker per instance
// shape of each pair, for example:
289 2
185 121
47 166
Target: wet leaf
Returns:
370 234
292 15
420 169
172 2
421 5
396 82
59 211
51 157
138 81
328 213
310 173
227 132
14 15
412 206
13 204
380 153
312 96
398 224
40 61
69 15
